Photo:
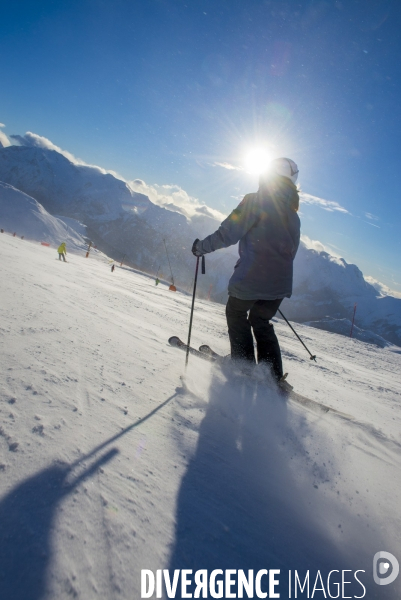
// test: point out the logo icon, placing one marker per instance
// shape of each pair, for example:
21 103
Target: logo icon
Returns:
385 568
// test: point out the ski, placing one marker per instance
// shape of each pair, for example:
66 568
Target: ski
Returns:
314 405
205 349
177 343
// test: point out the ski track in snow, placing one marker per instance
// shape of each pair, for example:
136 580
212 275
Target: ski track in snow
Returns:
108 464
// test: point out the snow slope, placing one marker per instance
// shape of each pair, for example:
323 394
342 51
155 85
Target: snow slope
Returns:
108 465
24 215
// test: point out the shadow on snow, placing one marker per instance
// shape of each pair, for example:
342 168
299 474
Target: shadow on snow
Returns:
27 515
241 505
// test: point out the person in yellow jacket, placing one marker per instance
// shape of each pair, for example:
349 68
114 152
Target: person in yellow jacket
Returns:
62 251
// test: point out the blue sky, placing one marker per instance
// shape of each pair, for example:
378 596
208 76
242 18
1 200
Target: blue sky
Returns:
174 92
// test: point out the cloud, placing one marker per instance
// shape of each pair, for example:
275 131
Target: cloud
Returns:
4 141
174 197
383 289
226 165
373 225
372 217
2 125
313 244
319 247
325 204
33 140
206 210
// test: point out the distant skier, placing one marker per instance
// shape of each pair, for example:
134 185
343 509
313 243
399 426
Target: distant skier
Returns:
267 227
62 251
112 268
157 281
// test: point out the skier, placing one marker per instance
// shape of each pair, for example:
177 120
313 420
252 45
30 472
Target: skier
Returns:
157 281
62 251
267 226
112 268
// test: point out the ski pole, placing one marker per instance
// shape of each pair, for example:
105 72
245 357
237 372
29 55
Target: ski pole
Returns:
193 304
312 356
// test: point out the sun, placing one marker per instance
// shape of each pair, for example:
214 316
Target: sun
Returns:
257 161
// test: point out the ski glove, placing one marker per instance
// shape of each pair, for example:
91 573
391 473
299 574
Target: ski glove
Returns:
197 248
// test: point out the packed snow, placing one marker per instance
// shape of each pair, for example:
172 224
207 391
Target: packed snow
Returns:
110 463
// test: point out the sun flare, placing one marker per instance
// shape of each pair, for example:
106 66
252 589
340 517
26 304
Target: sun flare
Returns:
257 161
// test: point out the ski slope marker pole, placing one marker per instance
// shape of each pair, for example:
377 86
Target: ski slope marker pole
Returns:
193 304
312 356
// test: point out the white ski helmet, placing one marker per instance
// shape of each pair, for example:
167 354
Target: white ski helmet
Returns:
285 167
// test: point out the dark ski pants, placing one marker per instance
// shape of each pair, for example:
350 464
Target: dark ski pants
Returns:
240 326
61 255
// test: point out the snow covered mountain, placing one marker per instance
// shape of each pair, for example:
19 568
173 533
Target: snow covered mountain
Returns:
123 222
24 215
66 188
327 286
